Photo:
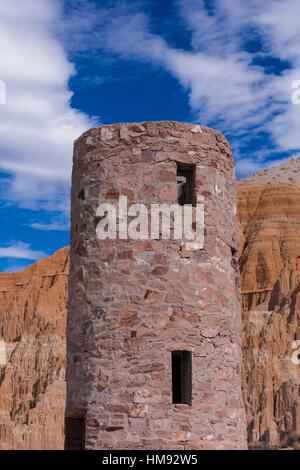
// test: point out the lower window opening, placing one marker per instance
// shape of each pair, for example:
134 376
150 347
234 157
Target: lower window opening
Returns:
74 433
182 377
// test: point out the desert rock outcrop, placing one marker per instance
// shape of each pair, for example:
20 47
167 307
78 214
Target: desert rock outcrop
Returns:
269 226
33 306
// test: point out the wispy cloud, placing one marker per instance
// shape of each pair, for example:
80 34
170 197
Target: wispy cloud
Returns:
222 84
226 72
246 166
22 251
52 226
229 84
37 124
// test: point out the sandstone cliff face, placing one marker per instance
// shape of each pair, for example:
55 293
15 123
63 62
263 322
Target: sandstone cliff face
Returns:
33 307
269 226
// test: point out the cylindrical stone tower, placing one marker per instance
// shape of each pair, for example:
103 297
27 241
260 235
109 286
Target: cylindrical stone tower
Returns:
154 329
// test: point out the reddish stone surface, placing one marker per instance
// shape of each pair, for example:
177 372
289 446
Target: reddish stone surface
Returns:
129 310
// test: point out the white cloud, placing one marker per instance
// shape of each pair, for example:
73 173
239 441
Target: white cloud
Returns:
38 124
22 251
221 87
275 24
251 165
225 88
52 226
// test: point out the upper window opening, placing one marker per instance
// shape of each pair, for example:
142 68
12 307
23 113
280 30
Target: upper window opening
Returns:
186 184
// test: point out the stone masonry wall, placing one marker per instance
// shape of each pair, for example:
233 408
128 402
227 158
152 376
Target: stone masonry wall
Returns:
132 302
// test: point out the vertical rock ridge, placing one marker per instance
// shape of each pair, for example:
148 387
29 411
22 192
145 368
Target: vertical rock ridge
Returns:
269 227
33 307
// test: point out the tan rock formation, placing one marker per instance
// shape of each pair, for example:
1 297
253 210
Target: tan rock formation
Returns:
269 226
33 307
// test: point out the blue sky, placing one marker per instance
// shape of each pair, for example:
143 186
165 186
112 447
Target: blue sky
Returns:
69 65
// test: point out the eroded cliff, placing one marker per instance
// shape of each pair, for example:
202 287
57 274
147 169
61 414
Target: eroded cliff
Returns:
269 226
33 306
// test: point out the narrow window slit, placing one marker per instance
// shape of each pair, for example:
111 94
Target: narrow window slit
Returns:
186 184
81 195
182 377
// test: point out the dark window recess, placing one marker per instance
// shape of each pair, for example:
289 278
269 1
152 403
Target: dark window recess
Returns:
81 195
182 377
186 184
74 433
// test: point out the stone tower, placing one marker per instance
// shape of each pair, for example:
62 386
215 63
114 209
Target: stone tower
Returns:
154 330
